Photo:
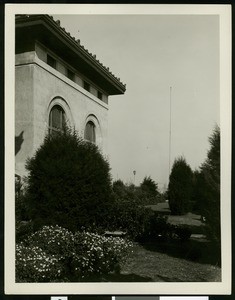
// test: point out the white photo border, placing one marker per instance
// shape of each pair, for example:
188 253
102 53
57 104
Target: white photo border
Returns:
183 288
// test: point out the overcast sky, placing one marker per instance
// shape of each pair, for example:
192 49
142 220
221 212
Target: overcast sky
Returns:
151 53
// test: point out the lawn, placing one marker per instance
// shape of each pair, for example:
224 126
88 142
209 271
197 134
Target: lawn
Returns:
149 265
190 219
157 266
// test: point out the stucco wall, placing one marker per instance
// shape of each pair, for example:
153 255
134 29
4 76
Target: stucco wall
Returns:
38 88
24 116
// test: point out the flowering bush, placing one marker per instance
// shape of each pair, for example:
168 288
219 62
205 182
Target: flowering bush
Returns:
35 265
53 239
98 254
56 254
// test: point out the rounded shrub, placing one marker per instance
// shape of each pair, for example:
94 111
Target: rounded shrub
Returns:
54 253
69 183
98 255
53 239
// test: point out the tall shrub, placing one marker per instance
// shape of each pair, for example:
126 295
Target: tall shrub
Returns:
180 187
69 183
210 200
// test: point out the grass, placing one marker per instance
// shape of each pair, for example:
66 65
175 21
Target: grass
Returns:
145 265
190 219
187 219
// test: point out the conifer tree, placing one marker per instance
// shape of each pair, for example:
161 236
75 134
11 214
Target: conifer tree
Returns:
210 200
180 187
69 183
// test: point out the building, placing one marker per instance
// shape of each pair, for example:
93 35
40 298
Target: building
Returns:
57 80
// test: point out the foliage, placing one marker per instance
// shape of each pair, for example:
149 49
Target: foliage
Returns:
23 225
198 194
206 188
130 217
126 192
97 254
53 239
35 265
156 227
180 187
68 184
183 232
129 213
149 191
145 194
23 229
56 254
20 207
120 189
210 179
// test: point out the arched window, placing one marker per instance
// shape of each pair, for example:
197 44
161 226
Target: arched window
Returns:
56 119
90 132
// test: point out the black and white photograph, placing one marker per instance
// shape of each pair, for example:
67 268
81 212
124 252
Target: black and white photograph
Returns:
118 159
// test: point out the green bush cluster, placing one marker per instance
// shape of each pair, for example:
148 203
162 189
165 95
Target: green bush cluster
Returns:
130 218
158 228
56 254
129 213
144 194
149 191
138 221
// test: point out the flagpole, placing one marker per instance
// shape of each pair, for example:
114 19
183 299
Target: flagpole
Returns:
170 137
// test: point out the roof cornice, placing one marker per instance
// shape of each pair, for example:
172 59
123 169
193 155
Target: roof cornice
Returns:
74 44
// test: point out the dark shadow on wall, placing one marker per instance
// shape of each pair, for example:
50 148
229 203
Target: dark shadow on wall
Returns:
18 142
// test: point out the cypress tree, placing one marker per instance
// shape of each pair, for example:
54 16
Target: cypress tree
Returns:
69 183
